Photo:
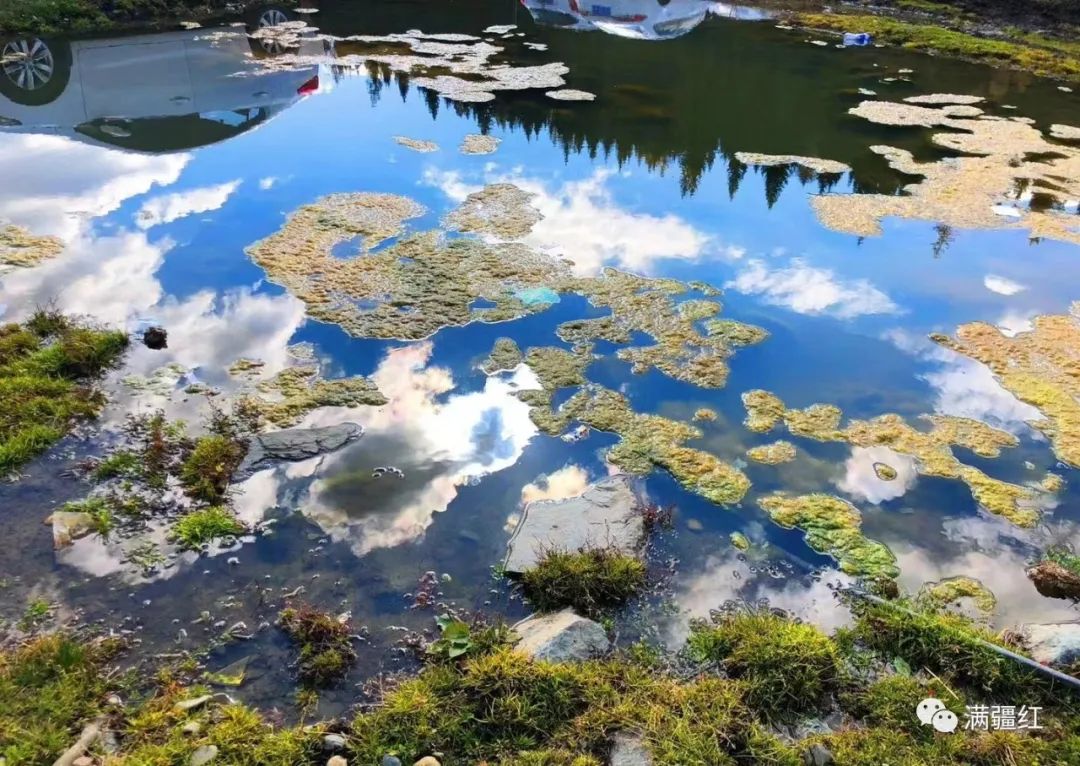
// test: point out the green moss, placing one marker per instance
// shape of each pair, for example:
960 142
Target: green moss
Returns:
296 391
589 580
832 526
739 541
1035 53
890 703
788 667
763 410
47 370
945 592
197 528
124 463
325 643
208 469
49 689
772 454
505 356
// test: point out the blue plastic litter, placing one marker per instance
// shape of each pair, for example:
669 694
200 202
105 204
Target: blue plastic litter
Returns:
857 38
532 296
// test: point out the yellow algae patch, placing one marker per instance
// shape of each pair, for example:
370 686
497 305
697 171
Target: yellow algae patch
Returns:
582 332
739 541
501 210
772 454
649 441
246 368
476 143
952 589
763 410
735 333
505 356
705 414
1040 366
944 98
815 164
1052 482
18 247
885 472
833 526
1068 132
932 449
1001 159
295 391
417 145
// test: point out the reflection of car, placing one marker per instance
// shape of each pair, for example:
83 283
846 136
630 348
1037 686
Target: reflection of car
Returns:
157 92
637 19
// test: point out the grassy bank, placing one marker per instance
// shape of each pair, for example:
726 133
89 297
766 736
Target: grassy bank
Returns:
741 674
950 31
87 16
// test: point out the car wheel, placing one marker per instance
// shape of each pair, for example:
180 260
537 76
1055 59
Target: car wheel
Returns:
267 16
34 71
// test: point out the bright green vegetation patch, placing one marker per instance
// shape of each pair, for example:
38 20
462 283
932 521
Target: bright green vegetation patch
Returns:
99 512
953 589
589 580
788 667
49 689
1064 558
295 391
1035 53
832 526
324 641
208 469
197 528
48 366
891 702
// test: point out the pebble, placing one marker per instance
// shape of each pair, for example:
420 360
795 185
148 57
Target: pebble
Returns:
203 755
694 525
191 728
83 760
427 760
333 742
337 760
390 760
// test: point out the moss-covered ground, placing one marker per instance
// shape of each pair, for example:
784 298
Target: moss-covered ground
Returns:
48 367
742 672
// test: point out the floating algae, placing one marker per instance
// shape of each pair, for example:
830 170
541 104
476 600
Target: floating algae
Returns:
705 415
832 526
1052 483
885 472
1068 132
505 356
502 210
246 368
931 448
815 164
475 143
569 94
739 541
944 98
585 331
772 454
647 442
296 391
763 410
417 145
951 590
1002 159
1040 367
18 247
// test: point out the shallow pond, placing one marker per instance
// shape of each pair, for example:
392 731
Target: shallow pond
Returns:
160 159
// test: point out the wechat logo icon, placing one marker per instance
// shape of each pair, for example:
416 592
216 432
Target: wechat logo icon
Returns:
932 712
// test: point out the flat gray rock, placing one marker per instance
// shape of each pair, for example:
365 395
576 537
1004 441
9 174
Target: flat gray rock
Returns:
629 750
561 637
607 515
293 444
1053 644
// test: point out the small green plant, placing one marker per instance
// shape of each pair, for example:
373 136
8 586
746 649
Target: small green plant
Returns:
202 526
588 580
124 463
326 651
1065 558
788 666
36 612
454 640
102 518
206 472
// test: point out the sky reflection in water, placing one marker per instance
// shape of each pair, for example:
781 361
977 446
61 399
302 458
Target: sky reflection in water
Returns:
160 237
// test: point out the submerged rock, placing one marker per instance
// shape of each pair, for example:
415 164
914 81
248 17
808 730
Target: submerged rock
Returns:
629 750
1053 644
1053 580
293 444
155 338
561 637
607 515
69 526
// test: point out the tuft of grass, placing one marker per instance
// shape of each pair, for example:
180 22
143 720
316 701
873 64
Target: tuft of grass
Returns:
890 702
121 464
207 470
589 580
326 650
49 688
47 369
196 528
788 667
1065 558
102 518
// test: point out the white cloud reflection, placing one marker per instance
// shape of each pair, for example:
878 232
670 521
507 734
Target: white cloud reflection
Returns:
172 207
861 481
807 289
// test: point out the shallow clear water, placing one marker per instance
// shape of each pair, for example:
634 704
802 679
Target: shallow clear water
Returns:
156 212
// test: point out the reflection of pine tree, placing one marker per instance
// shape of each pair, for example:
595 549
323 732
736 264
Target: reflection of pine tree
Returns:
375 82
694 167
806 175
431 98
776 178
826 181
944 239
735 172
403 86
